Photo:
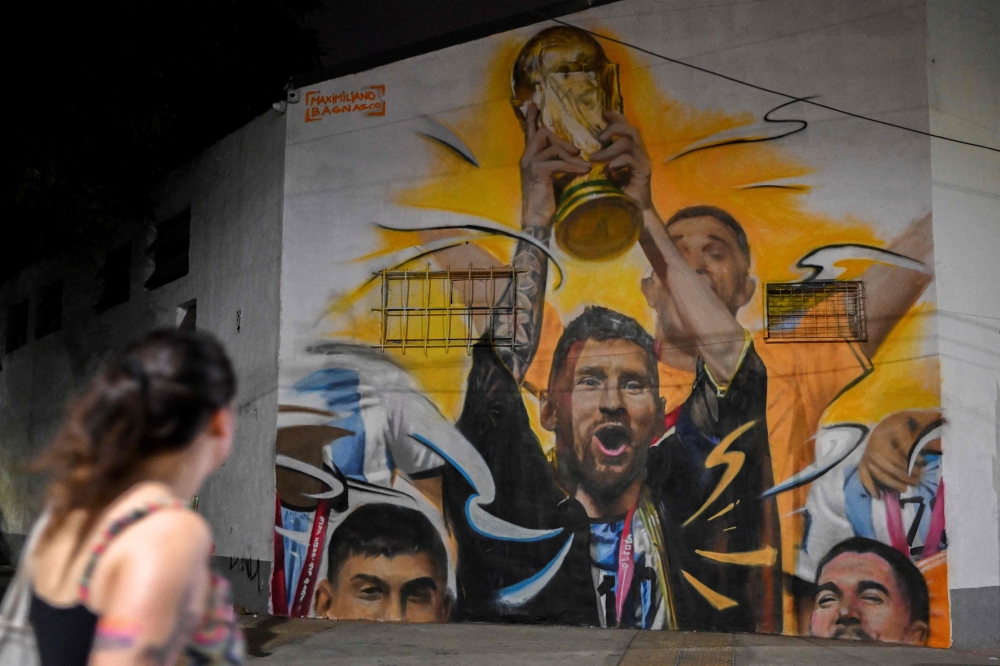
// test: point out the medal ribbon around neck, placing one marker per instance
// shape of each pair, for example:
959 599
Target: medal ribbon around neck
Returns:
626 565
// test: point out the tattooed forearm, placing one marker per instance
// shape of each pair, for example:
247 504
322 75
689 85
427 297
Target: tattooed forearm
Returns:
532 267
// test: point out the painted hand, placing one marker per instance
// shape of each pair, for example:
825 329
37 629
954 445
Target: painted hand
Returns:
884 465
626 157
545 157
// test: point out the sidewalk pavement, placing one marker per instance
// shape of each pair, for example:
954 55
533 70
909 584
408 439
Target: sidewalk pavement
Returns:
301 642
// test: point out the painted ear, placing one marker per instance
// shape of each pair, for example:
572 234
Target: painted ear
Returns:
749 287
918 633
324 598
547 411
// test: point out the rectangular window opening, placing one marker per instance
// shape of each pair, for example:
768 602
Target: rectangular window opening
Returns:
187 315
117 276
425 309
48 318
17 326
815 311
170 250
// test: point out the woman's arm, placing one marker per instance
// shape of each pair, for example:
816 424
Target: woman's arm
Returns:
152 594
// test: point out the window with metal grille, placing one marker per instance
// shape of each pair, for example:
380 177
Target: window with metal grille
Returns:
48 317
815 311
170 250
17 326
444 309
116 273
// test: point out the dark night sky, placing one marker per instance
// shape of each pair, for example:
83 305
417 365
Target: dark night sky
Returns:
349 31
112 95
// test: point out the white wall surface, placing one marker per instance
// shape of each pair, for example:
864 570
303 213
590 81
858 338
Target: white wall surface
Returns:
964 85
234 191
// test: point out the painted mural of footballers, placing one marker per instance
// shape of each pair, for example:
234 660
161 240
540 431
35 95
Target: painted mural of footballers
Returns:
345 438
906 511
803 378
634 490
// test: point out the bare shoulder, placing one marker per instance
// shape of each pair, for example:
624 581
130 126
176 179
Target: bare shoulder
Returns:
176 539
172 533
149 563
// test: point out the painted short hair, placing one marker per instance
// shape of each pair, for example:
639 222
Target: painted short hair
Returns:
721 216
388 530
600 323
908 576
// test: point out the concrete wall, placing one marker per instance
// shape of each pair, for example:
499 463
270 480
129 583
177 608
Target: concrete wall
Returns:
234 191
963 69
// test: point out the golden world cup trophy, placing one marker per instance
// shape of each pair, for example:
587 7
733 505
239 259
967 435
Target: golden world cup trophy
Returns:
565 72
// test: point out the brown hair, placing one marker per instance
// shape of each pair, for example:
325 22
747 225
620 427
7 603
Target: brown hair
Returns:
720 215
155 398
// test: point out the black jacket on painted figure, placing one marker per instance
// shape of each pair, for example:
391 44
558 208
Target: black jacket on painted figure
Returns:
495 421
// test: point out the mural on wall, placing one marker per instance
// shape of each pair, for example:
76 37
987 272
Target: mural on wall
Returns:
546 395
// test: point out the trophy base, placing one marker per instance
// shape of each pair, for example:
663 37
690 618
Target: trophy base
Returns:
596 221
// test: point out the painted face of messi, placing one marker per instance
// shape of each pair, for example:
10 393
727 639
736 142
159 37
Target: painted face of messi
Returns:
605 409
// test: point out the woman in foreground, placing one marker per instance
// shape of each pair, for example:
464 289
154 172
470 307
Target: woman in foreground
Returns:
121 572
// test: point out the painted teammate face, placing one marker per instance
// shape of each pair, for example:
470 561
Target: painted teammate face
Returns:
605 409
713 251
860 598
404 588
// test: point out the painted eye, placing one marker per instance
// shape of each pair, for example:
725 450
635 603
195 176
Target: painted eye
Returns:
419 598
825 600
590 382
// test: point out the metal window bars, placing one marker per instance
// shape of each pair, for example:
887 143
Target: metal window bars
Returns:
815 311
444 309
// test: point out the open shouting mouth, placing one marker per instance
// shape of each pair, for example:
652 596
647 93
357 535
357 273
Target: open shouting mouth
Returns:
612 440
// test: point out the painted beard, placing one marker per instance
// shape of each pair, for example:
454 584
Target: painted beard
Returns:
608 443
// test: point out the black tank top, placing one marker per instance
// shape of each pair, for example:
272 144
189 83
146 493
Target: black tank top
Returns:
65 635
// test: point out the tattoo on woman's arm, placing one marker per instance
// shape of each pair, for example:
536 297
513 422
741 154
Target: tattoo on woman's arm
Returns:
113 634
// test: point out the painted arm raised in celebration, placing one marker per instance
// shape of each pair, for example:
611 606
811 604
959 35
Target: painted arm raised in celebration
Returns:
688 302
545 156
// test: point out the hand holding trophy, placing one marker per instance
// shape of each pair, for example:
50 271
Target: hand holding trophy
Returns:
564 74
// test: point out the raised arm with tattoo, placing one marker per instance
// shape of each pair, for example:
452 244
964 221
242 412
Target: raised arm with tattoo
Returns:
545 156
